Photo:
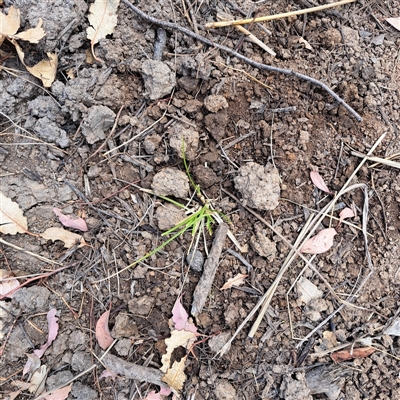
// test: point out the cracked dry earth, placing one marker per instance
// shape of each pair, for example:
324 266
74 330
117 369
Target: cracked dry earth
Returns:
236 135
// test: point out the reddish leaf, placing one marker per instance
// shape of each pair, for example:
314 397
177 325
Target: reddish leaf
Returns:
59 394
70 222
180 318
320 243
53 331
103 335
346 213
158 396
344 355
108 374
318 181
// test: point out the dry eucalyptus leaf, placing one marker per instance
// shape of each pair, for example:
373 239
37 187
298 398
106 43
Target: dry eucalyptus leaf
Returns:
103 20
32 35
177 339
175 376
69 238
320 243
318 181
235 281
45 70
103 334
395 22
8 284
12 220
306 44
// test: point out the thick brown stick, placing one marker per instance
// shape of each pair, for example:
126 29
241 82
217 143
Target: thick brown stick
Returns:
210 268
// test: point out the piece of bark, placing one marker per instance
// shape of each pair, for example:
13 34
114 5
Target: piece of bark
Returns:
210 268
133 371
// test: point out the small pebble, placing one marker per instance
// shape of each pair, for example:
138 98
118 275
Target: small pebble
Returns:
196 260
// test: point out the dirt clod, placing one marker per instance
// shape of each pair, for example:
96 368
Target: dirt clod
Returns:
215 102
259 186
158 78
171 182
97 121
168 215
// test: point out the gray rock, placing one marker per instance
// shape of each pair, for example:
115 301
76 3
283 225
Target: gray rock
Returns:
259 186
195 260
48 131
295 388
35 298
217 342
180 136
188 83
123 346
82 392
44 106
158 79
58 379
168 216
97 121
171 182
80 361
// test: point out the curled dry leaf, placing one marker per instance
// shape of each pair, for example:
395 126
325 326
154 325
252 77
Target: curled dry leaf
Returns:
344 355
71 222
158 396
53 331
180 317
318 181
346 213
178 338
306 44
235 281
32 35
69 238
103 20
108 374
32 364
45 70
175 376
103 334
320 243
38 380
7 283
12 220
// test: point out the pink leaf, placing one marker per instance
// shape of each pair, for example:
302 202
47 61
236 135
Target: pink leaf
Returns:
69 222
108 374
395 22
346 213
320 243
158 396
103 335
235 281
180 318
59 394
318 181
32 364
53 330
8 284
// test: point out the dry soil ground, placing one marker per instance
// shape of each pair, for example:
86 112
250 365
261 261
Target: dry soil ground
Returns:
353 50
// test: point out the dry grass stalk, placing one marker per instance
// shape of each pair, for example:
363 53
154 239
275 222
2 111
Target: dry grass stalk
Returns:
221 24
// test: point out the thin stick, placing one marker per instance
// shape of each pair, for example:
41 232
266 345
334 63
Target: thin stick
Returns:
234 53
249 35
378 160
276 16
210 268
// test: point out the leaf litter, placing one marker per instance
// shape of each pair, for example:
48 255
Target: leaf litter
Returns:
235 281
45 70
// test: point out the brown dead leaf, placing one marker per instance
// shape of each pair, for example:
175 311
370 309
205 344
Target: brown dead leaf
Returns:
344 355
9 24
178 338
103 20
175 376
45 70
32 35
69 238
235 281
12 220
